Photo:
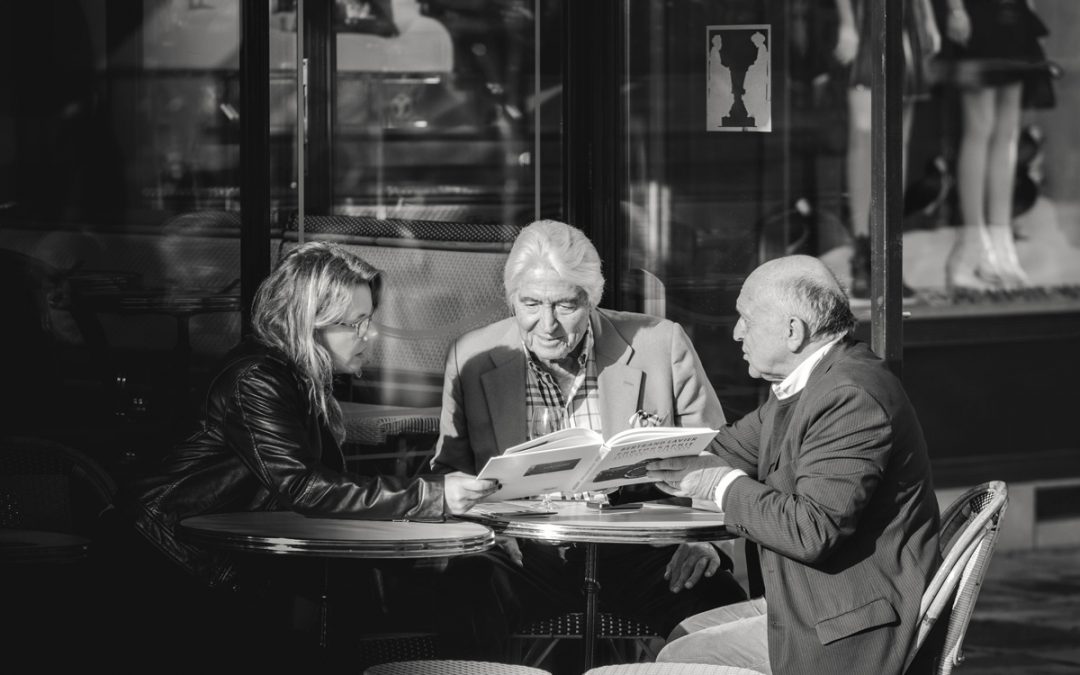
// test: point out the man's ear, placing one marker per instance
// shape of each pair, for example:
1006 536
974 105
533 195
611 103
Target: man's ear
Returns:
798 334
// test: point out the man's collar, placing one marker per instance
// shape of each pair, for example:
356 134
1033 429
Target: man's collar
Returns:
797 379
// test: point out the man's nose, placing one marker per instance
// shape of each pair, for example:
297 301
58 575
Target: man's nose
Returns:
739 331
548 320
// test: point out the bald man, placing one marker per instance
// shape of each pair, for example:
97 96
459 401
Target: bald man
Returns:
829 478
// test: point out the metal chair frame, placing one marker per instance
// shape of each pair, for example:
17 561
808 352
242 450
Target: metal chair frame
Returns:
546 634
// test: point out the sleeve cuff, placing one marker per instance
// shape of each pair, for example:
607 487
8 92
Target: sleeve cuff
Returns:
722 486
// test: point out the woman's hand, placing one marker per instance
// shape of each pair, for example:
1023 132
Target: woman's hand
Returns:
691 562
462 491
958 26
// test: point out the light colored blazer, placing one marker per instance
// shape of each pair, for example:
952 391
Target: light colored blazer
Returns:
844 510
643 363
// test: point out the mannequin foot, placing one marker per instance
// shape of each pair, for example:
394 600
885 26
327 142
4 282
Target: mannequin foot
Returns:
860 268
860 272
1004 246
973 264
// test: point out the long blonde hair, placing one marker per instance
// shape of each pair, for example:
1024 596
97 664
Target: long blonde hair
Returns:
310 289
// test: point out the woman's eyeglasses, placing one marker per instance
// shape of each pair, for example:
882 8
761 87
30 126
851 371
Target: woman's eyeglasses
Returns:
359 327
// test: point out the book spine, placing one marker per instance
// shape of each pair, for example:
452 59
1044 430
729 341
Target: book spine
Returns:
586 476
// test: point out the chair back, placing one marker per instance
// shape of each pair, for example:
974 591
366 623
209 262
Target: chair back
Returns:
969 531
45 485
441 280
665 668
451 667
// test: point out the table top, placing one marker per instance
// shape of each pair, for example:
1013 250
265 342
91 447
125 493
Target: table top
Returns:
289 533
39 546
574 521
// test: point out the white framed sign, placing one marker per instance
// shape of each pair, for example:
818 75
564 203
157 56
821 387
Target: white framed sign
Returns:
738 78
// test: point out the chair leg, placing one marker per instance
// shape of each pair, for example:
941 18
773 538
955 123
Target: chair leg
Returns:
545 648
649 648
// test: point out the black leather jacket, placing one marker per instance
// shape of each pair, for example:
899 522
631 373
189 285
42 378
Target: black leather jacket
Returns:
262 448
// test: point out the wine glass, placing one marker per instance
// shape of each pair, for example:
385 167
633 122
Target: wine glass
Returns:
544 421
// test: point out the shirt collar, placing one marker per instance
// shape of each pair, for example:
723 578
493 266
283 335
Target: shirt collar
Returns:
797 379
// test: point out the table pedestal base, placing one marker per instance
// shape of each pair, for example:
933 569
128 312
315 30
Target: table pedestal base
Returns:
592 599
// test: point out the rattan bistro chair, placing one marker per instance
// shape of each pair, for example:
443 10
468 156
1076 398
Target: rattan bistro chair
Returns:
969 531
46 485
670 669
451 667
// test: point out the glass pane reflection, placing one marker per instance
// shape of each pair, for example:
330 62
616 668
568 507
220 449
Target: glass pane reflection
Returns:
121 207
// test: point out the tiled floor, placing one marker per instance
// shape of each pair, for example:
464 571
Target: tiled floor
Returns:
1027 618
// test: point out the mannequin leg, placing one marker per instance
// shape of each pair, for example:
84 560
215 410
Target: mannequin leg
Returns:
972 263
858 188
858 160
1000 180
859 168
909 114
908 118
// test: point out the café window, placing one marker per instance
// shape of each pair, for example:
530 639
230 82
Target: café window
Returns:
119 212
747 135
740 128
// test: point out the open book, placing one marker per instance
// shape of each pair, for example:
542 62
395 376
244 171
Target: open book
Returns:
578 460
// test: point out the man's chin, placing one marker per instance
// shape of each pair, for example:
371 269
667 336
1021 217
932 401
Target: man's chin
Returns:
550 355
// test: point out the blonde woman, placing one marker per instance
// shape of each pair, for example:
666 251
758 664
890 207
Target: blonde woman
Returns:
271 431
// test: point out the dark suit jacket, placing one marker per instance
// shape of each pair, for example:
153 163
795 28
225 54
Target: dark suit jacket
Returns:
844 510
643 363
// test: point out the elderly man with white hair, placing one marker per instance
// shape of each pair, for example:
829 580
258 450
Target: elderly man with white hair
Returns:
600 369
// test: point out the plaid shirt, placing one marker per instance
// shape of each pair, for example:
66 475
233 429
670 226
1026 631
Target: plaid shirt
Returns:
542 391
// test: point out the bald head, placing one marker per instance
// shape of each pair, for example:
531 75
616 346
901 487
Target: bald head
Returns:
802 286
788 308
792 268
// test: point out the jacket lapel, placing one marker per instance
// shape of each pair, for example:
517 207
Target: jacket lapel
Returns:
619 384
504 392
768 463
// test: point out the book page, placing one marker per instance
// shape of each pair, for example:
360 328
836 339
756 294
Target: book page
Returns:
624 457
540 469
563 438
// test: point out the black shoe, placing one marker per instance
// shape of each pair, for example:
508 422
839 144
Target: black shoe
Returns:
907 292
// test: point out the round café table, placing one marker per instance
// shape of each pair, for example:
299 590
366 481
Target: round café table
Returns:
291 534
575 521
39 546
